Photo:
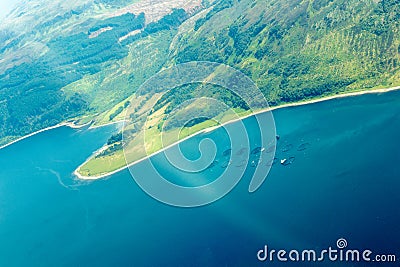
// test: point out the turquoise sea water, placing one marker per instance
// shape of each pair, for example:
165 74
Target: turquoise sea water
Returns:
344 182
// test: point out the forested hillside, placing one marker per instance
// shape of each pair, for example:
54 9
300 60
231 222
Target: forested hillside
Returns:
42 67
299 49
84 59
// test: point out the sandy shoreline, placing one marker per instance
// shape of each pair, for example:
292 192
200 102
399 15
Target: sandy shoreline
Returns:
107 124
358 93
67 124
74 126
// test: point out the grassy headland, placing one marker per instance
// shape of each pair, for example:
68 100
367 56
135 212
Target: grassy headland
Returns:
87 59
104 164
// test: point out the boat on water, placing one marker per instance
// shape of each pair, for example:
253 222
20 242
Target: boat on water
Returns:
286 162
242 151
227 152
303 146
258 150
287 148
226 164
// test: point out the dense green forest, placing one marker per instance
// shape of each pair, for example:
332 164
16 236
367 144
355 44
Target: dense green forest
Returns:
301 49
83 62
32 95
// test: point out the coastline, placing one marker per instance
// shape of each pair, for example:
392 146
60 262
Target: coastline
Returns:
301 103
107 124
62 124
67 124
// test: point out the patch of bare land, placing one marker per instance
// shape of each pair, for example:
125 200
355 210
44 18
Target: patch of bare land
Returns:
132 33
98 32
154 10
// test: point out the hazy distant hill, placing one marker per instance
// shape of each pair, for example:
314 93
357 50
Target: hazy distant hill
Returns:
68 59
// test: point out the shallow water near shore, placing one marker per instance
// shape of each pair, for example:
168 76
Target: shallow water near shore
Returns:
343 181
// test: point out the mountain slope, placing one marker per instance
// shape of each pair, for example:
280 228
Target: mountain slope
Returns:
293 50
56 45
84 59
299 49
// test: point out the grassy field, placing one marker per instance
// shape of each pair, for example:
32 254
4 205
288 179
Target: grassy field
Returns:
293 50
142 147
154 141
